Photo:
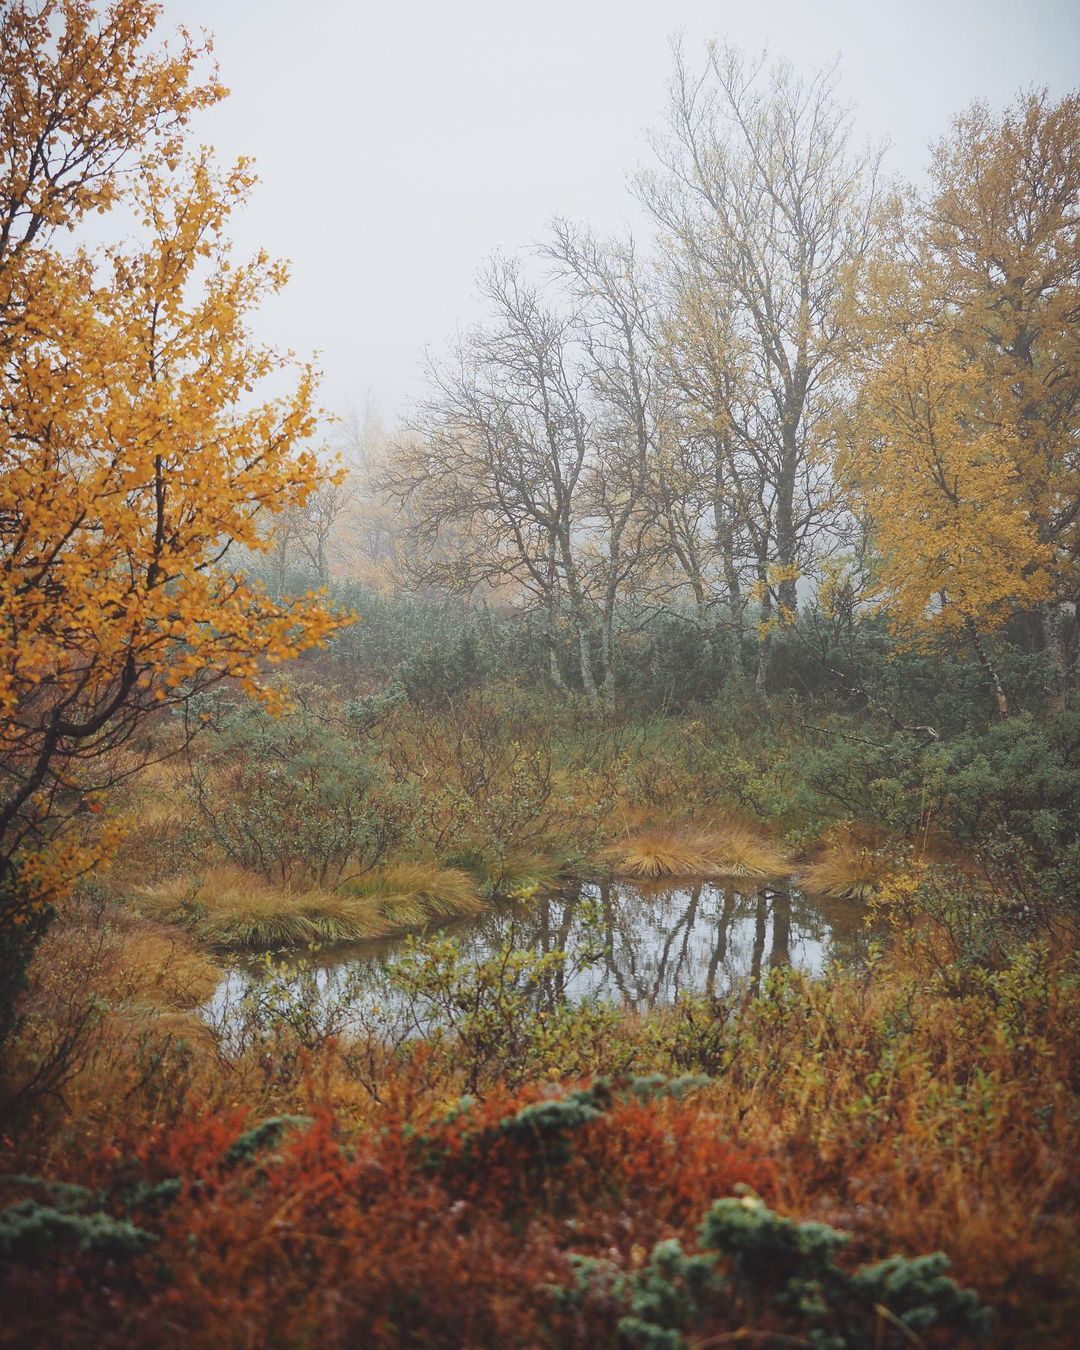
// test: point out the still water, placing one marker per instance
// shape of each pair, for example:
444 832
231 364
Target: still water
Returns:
633 946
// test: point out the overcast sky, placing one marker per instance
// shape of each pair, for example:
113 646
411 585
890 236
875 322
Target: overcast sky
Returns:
401 141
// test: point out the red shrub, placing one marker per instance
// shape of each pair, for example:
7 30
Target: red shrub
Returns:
443 1232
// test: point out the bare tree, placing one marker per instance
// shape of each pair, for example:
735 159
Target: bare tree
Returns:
710 494
528 461
493 470
615 319
613 437
768 211
308 532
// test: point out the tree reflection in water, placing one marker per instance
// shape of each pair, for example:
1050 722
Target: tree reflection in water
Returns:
644 946
636 946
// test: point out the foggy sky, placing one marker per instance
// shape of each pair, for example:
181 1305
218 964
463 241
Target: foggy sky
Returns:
399 143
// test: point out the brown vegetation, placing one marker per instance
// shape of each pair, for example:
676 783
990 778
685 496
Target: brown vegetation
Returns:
228 907
724 848
856 861
913 1113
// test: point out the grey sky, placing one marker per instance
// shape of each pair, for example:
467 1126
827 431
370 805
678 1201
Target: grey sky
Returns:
399 143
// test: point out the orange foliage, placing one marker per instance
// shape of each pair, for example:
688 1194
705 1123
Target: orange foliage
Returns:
960 441
419 1232
135 448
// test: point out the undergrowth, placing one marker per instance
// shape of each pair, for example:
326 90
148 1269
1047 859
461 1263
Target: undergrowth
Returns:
473 1162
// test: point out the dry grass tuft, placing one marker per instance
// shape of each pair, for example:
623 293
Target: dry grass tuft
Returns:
129 962
159 965
726 848
512 874
856 862
412 893
229 907
521 874
847 870
525 875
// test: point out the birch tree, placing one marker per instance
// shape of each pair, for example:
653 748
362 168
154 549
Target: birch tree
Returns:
767 206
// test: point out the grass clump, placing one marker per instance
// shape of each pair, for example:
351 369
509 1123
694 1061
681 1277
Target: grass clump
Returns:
726 848
514 874
858 862
852 864
228 907
159 965
410 894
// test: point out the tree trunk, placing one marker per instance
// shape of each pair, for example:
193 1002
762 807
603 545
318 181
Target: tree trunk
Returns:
552 640
580 619
765 634
786 543
991 672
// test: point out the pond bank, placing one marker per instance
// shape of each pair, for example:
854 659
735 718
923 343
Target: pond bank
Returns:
634 946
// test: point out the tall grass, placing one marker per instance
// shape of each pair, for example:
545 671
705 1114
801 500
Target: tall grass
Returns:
409 894
851 864
856 861
724 848
228 907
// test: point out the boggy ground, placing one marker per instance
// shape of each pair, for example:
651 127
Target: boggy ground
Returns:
518 1177
407 1195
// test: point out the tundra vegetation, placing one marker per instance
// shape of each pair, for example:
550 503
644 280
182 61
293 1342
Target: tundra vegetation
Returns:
749 552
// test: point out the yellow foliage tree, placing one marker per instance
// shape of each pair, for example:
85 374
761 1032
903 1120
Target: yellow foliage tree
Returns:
1004 225
135 445
964 446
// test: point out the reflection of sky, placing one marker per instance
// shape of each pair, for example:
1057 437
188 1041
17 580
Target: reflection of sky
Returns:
625 945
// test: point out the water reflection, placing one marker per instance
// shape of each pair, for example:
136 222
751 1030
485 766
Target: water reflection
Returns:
650 945
634 946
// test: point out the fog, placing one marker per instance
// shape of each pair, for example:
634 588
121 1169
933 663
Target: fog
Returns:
400 143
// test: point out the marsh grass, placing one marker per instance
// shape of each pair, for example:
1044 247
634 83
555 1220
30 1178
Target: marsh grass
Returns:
228 907
409 894
722 848
852 864
514 874
160 965
858 861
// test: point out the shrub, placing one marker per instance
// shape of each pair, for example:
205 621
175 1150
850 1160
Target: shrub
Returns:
29 1230
480 771
493 1010
295 799
765 1271
1011 795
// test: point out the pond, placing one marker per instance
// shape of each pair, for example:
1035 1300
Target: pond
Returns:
629 945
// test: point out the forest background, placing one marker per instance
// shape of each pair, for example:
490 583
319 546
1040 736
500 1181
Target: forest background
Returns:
748 551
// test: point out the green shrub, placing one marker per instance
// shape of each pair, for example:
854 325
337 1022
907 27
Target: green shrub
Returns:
264 1135
1010 795
29 1230
763 1270
295 799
